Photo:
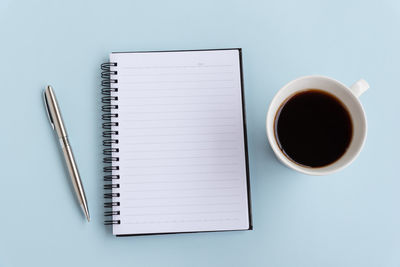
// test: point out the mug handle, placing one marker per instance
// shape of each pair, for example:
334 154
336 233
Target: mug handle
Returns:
359 87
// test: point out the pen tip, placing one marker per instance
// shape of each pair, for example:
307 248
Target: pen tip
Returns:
86 211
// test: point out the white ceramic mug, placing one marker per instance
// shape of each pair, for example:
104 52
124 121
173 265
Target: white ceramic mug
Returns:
349 97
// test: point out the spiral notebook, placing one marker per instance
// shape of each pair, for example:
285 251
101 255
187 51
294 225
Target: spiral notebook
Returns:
175 142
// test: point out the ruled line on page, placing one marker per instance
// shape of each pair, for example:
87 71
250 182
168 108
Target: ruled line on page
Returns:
172 73
171 104
176 96
181 149
183 157
185 205
187 127
175 135
177 67
180 221
183 142
184 88
182 181
181 126
179 213
212 188
183 173
180 111
181 165
182 119
183 197
176 81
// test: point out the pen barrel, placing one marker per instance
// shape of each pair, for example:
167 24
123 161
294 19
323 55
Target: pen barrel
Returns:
54 112
73 170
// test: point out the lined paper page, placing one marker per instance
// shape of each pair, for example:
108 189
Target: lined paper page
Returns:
181 143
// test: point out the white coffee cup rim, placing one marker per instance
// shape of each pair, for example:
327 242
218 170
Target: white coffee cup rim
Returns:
356 90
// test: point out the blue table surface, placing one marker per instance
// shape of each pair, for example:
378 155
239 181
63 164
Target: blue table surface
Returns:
350 218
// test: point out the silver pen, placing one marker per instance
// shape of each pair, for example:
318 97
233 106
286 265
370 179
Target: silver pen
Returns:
56 121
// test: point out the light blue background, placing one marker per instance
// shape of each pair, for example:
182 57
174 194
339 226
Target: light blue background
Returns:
351 218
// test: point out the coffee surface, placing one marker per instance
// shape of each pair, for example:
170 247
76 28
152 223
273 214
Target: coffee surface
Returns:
313 128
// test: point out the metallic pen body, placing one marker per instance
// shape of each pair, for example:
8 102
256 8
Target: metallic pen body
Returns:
57 123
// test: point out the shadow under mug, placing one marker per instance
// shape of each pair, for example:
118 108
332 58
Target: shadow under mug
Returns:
349 97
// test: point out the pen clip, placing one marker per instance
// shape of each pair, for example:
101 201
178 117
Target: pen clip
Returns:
46 104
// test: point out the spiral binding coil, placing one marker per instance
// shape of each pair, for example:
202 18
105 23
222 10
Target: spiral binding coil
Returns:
110 152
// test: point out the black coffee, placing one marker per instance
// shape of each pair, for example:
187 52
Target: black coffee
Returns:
313 128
